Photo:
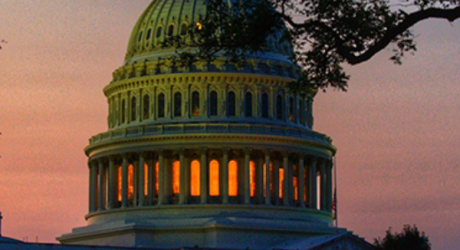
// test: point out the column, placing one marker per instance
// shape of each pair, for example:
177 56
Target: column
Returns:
276 182
161 176
323 184
301 182
246 186
267 178
313 192
141 186
182 177
111 188
286 179
100 186
260 180
329 186
124 182
150 181
203 177
92 186
224 179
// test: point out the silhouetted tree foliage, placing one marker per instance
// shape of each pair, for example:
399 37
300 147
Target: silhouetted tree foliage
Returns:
409 238
325 34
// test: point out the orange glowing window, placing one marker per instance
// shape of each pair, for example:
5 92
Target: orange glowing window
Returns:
176 177
232 178
119 183
295 183
146 179
265 178
130 181
252 178
157 167
281 182
195 178
214 178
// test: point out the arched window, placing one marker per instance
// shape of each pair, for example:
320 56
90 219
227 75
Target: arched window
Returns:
146 111
265 105
130 181
183 30
123 111
149 34
140 37
281 182
176 177
146 179
252 178
291 109
213 103
171 30
214 178
133 109
177 104
157 171
279 107
232 178
195 103
295 182
159 30
195 178
248 104
302 112
161 105
231 104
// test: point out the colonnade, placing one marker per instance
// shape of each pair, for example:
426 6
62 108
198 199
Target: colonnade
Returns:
210 176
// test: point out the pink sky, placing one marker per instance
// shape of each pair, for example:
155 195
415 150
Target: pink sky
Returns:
396 130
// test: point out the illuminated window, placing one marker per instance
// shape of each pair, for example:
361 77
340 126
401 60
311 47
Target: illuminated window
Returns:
157 167
133 109
248 104
279 107
119 183
149 34
295 182
183 30
161 105
195 103
177 104
265 178
231 102
146 179
252 178
195 178
199 26
291 109
281 182
265 105
176 177
232 178
123 111
213 103
171 30
214 178
146 111
130 181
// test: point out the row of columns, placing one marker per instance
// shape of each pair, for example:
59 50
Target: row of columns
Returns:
313 174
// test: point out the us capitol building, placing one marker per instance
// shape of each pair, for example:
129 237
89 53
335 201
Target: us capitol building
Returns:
215 155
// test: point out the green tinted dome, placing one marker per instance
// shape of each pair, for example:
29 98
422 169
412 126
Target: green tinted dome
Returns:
165 18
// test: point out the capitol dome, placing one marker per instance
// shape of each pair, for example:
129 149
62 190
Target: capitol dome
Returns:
211 155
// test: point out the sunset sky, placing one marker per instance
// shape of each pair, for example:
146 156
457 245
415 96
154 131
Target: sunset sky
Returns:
397 129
